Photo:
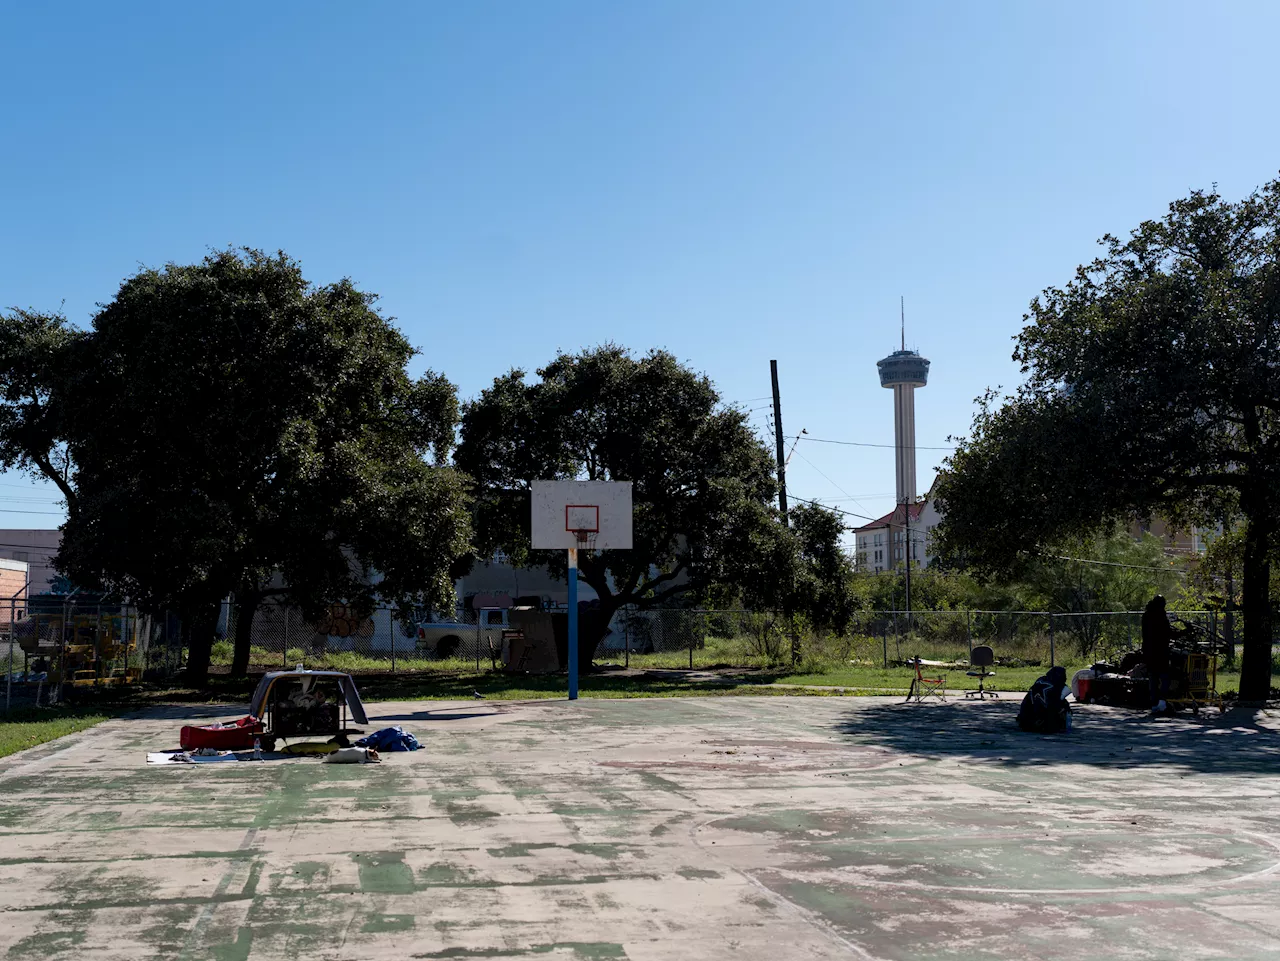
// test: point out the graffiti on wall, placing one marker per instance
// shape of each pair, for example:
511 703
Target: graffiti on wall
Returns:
342 621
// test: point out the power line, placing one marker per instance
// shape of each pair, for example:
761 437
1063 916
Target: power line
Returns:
834 510
10 510
829 480
855 443
854 497
1132 567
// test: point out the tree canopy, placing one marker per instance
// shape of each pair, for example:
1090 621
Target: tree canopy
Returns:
231 428
34 348
1152 388
704 519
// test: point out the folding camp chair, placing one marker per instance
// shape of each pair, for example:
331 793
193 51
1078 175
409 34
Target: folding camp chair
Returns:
922 687
981 658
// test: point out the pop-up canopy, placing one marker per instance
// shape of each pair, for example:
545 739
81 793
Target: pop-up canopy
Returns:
345 684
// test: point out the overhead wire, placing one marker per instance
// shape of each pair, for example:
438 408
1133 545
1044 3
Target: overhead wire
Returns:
858 443
829 480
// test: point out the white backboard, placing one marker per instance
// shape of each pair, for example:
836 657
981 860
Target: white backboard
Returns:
559 507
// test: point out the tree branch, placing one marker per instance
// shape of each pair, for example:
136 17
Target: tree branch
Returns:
46 467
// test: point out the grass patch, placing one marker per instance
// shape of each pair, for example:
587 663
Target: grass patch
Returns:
507 687
899 678
27 727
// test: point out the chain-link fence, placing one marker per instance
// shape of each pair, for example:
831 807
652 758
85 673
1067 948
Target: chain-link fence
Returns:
104 644
52 646
708 638
342 638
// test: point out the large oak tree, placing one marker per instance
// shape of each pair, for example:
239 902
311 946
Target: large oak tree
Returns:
703 482
1153 387
229 428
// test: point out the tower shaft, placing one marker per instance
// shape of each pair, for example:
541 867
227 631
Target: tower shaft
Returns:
904 441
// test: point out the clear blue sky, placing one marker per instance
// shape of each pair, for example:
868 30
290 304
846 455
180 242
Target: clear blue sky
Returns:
734 181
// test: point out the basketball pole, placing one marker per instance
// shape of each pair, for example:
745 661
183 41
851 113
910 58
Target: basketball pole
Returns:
573 623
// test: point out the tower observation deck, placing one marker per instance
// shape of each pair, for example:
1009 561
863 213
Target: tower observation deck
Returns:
902 372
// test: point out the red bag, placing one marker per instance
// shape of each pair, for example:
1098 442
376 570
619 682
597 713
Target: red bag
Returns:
234 736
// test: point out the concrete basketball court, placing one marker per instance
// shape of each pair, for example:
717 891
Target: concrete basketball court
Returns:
712 828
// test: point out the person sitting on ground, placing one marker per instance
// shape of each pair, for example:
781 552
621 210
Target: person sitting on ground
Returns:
1157 632
1045 709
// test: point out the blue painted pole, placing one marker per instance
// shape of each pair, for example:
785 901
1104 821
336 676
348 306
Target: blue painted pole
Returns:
573 624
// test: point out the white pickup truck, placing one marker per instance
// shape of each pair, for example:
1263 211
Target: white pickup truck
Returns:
458 639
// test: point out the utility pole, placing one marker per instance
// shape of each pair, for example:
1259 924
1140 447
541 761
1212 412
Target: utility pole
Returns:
782 495
782 453
906 522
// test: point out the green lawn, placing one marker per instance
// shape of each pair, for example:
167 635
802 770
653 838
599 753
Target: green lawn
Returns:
735 668
899 678
27 727
855 663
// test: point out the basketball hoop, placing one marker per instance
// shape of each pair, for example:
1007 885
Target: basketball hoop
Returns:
582 523
586 538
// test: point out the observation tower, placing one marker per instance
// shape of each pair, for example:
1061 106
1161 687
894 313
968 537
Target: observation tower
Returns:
902 372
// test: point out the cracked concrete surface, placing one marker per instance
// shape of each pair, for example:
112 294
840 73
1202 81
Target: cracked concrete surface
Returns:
715 827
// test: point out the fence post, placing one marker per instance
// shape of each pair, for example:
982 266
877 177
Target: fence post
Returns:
691 633
968 632
626 639
284 647
1052 652
897 644
393 647
884 640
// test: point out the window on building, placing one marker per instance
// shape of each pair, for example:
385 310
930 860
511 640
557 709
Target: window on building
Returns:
897 553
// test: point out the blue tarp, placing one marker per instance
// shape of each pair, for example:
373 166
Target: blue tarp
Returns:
390 739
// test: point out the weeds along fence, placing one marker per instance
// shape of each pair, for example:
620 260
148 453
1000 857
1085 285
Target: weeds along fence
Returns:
281 637
52 646
757 639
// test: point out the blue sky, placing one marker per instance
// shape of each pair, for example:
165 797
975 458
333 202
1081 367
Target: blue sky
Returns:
734 181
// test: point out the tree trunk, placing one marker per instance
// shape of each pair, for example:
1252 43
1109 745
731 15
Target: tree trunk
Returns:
1255 660
592 630
247 604
198 624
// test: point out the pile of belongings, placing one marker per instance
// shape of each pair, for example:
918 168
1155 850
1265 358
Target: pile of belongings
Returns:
232 736
390 739
202 754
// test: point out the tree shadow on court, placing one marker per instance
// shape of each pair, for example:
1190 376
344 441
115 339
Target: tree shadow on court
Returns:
1242 741
439 714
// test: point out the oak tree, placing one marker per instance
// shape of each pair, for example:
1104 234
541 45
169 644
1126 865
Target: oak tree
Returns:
235 429
703 483
1152 388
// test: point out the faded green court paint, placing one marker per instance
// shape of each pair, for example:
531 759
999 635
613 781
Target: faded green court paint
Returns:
729 829
384 872
586 951
382 923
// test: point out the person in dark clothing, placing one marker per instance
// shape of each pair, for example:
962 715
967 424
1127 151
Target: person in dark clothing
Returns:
1045 709
1157 632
